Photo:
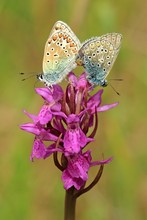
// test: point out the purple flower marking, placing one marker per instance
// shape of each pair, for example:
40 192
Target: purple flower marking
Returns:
41 133
51 96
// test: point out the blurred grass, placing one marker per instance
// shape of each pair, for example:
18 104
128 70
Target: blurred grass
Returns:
34 190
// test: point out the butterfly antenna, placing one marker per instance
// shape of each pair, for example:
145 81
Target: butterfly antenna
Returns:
114 89
116 79
30 76
35 83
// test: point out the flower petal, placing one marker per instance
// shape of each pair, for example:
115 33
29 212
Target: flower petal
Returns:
31 128
106 107
33 117
51 149
78 167
72 79
74 140
94 163
76 173
39 150
45 93
70 181
94 101
44 115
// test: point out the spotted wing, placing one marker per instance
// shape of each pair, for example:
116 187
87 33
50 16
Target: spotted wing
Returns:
98 54
60 52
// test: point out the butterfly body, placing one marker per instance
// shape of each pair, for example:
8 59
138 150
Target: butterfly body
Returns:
60 52
97 56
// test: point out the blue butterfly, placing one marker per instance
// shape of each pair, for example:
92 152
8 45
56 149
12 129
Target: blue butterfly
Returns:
60 52
97 55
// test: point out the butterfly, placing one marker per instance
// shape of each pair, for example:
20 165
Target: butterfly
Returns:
60 52
97 55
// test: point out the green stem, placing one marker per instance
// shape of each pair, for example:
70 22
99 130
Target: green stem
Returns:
70 204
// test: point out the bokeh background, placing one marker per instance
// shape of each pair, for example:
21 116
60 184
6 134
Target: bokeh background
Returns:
34 190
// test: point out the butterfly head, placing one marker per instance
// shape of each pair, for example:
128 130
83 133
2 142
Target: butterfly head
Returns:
45 79
104 83
40 76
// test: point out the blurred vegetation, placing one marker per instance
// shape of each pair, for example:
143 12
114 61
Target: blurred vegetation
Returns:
34 190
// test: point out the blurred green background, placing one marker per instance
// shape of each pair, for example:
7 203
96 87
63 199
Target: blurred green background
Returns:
34 190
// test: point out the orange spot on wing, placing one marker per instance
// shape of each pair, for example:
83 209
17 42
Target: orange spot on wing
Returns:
55 37
72 44
68 40
60 35
65 36
74 50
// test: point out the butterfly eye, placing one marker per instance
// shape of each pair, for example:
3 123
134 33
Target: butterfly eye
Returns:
47 53
106 50
52 49
48 61
104 69
40 76
89 57
107 57
93 54
109 63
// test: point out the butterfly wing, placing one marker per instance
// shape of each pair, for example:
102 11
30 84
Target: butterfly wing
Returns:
97 55
60 51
